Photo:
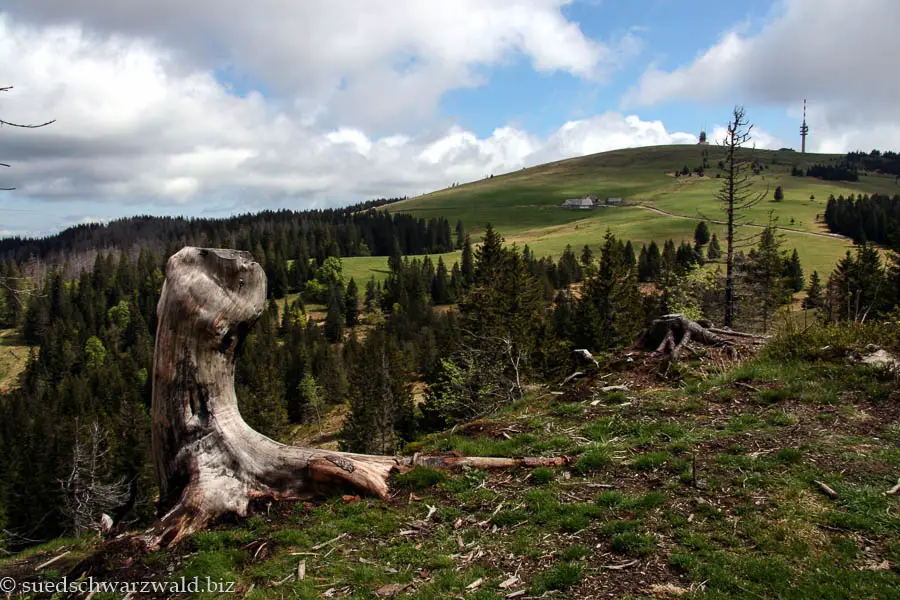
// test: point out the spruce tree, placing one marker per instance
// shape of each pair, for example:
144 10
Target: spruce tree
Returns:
456 283
587 256
395 259
859 287
794 272
440 289
767 266
654 261
628 255
373 296
351 304
610 310
701 234
333 378
334 318
643 265
779 194
468 263
714 252
489 255
686 257
814 294
381 407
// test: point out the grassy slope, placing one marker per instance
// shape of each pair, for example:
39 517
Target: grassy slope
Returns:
524 205
627 520
13 356
363 268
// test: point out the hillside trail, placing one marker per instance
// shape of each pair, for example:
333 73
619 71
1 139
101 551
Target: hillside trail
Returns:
717 222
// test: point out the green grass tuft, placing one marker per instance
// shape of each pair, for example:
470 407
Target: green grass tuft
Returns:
594 459
421 478
558 577
542 476
633 543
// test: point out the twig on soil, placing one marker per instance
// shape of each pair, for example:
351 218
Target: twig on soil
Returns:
571 377
614 388
619 567
258 550
51 561
475 584
331 541
826 489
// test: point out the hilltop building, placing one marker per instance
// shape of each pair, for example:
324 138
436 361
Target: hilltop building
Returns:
579 203
589 202
703 141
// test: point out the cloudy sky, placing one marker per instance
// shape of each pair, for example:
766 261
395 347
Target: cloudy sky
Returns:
212 107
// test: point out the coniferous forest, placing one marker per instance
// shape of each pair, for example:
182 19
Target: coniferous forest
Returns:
865 218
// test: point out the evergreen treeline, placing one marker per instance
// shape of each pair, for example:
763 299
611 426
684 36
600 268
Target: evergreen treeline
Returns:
862 287
357 230
845 171
865 218
876 161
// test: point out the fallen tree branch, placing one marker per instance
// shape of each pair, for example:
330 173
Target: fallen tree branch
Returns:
740 334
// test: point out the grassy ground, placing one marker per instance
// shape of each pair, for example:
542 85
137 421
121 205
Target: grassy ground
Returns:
642 226
698 484
13 356
363 268
524 205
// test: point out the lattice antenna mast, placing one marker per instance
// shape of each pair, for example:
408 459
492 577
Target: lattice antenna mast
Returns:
804 130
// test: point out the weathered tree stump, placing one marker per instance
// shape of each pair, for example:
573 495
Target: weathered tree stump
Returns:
209 461
671 333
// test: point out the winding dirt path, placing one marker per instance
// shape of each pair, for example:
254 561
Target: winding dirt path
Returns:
717 222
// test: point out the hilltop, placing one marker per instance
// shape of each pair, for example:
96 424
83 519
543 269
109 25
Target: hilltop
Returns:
525 205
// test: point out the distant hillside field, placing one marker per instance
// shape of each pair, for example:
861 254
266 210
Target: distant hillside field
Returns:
525 205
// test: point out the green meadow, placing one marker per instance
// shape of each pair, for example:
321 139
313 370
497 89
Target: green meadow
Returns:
525 205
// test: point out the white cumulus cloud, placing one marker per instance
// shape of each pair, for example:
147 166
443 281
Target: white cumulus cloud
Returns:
146 123
841 55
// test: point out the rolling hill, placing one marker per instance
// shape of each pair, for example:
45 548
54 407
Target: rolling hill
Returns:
525 205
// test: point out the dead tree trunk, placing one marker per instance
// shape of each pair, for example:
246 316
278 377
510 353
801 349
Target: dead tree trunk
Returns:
209 461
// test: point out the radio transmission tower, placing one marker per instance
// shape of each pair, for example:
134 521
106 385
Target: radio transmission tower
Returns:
804 130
